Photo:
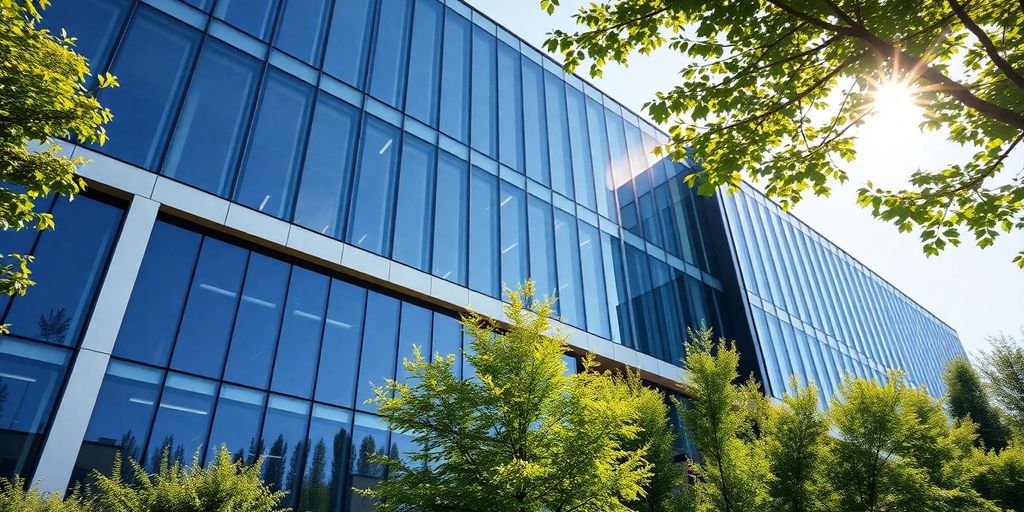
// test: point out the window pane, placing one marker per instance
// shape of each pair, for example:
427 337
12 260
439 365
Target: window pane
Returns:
349 39
415 330
69 263
369 439
558 135
210 310
339 353
237 424
582 164
415 202
484 275
120 421
510 107
284 443
370 219
380 336
447 340
570 288
327 173
484 106
301 30
182 420
534 124
542 247
425 61
95 25
151 320
455 77
387 80
253 16
299 347
152 65
206 145
599 154
450 219
31 379
323 486
268 177
596 295
514 262
257 322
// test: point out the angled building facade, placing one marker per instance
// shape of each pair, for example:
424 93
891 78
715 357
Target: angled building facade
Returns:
297 191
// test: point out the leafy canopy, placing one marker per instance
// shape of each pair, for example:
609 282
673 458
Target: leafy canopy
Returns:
43 96
1003 370
967 399
521 435
774 90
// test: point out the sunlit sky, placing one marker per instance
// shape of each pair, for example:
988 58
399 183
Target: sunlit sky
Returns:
978 292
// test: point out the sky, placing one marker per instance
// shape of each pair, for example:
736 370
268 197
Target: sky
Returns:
978 292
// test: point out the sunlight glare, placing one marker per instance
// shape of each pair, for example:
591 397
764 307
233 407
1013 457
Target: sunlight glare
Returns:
895 104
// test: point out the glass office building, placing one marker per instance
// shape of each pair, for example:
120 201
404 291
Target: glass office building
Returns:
297 191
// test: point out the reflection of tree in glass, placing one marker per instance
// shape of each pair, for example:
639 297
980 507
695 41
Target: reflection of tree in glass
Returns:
314 496
130 449
3 398
365 465
54 325
294 465
175 453
338 465
255 449
273 472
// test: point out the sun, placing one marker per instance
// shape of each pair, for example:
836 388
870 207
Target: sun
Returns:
896 103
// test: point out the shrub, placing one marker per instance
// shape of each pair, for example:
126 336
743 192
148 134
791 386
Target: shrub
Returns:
14 498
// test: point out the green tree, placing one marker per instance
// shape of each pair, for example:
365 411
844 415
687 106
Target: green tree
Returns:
522 435
794 443
223 485
1000 477
1003 370
773 90
966 398
720 422
43 96
15 498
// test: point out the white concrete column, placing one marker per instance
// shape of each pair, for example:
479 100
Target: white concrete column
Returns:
76 406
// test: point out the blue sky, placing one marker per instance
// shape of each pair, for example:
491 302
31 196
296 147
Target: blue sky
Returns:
978 292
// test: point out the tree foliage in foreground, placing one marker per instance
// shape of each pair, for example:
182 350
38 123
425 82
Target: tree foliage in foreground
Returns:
521 435
775 89
1003 370
966 398
43 96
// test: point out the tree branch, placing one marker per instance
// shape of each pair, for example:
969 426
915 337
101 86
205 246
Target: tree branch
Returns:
986 42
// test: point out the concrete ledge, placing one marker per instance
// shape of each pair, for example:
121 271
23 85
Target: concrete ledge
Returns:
261 225
314 244
115 173
191 201
366 262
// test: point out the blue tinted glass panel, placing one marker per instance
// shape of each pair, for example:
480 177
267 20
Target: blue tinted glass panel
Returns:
415 201
120 421
152 65
622 323
95 25
425 61
447 340
327 172
348 41
599 154
339 351
301 30
414 332
257 322
542 247
450 221
267 180
534 124
570 284
151 320
253 16
323 485
299 347
510 108
69 262
484 275
558 135
236 425
369 442
210 310
207 141
484 107
182 420
387 78
31 379
284 443
455 77
582 163
595 292
641 300
370 219
380 338
514 255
